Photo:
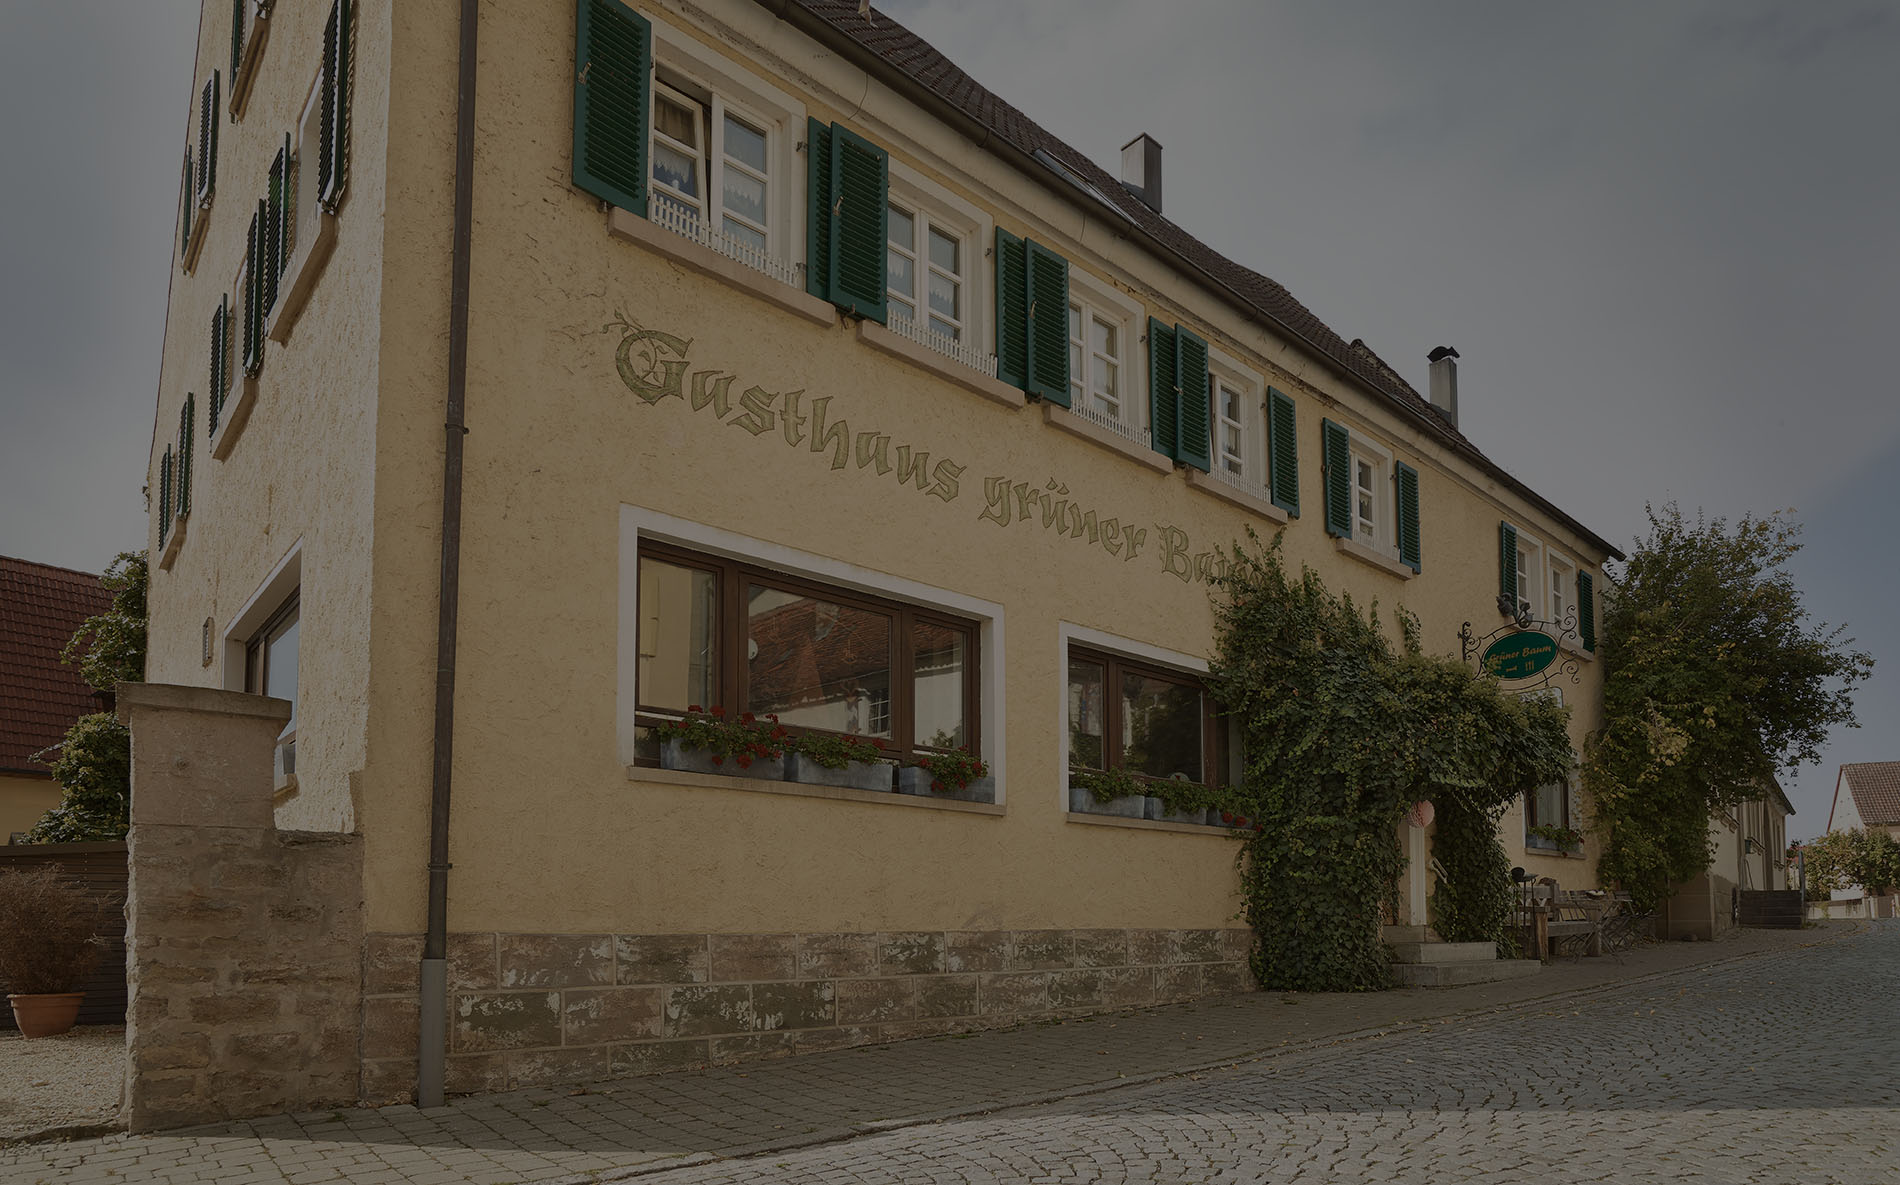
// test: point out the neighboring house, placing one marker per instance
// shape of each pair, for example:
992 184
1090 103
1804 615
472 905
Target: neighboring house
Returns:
1867 797
804 374
1750 846
41 607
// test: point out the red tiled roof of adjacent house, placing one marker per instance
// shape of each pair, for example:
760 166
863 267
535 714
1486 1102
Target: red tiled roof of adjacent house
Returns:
903 60
40 608
1875 786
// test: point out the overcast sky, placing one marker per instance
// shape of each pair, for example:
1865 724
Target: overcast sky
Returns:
1664 237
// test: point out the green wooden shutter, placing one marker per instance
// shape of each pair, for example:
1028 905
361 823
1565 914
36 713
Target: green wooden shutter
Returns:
219 319
859 245
1164 397
1586 610
238 8
1191 385
184 457
165 496
1047 319
1012 309
1507 568
818 209
208 140
613 100
274 229
253 331
189 202
333 122
1283 451
1406 478
1336 477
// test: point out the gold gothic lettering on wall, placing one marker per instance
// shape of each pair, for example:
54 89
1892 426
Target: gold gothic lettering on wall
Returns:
654 366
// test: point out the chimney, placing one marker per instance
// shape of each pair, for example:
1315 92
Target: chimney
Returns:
1141 170
1445 382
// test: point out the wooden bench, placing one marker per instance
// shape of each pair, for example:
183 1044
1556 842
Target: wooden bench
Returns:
1550 916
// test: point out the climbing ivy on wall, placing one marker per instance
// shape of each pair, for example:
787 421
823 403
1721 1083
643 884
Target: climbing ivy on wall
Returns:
1342 731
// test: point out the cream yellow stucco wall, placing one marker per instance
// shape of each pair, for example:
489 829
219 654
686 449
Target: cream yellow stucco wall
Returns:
23 800
549 831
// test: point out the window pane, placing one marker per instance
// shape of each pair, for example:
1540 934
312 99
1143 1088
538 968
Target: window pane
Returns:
818 664
1103 339
939 326
902 310
1161 728
1547 807
678 612
946 252
944 297
675 121
745 196
674 168
941 666
281 667
901 274
745 144
739 232
1088 688
903 230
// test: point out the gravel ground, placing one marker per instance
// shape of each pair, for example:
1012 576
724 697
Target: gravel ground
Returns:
71 1081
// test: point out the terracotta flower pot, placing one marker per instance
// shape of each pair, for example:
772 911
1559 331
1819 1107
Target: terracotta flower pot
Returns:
46 1015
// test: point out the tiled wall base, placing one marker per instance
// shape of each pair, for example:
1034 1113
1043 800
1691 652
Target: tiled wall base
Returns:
529 1009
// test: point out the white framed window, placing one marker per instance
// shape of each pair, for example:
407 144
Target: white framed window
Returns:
1104 377
1237 426
1560 593
723 154
935 280
1530 575
1372 495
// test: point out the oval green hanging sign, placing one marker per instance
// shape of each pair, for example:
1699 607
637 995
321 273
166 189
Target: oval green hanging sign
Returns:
1519 655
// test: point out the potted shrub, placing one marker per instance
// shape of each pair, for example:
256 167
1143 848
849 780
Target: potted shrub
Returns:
708 743
954 773
47 946
827 759
1108 792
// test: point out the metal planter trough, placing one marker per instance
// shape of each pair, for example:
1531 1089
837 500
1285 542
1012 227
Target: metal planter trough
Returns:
700 761
912 780
1129 806
856 775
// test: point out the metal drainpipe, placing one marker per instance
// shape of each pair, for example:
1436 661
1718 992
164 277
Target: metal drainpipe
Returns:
432 1058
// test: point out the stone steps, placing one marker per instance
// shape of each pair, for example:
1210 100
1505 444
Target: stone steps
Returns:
1430 975
1443 952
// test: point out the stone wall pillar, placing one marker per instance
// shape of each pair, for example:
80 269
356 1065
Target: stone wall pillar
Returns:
243 943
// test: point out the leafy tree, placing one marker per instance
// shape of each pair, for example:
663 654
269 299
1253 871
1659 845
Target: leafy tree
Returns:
1342 732
110 648
1714 679
93 762
1843 859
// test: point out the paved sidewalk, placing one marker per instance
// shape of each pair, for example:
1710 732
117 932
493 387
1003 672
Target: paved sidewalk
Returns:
629 1127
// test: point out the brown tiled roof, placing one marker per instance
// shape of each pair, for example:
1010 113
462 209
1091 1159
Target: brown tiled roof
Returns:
1875 786
911 65
40 608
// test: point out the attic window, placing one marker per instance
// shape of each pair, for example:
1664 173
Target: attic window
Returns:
1080 182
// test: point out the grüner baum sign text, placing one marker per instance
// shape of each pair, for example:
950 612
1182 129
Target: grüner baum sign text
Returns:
1519 655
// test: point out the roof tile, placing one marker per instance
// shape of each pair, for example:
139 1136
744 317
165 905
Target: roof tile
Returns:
1875 786
40 608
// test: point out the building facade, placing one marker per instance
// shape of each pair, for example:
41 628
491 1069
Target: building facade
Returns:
794 373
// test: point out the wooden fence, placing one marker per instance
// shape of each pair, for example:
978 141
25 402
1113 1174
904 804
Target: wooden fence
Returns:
100 867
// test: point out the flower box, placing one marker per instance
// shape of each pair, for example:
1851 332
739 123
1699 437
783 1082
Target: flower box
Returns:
856 775
1157 810
1129 806
673 755
912 780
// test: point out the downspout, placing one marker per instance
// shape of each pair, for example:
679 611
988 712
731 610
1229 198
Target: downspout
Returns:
432 1057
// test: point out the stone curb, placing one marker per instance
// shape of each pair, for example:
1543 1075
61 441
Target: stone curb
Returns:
1084 1090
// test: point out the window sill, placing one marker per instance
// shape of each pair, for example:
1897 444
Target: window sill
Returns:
624 224
881 337
236 413
670 777
1238 497
1533 846
1373 558
304 270
1572 645
247 62
1094 820
1067 421
175 541
196 241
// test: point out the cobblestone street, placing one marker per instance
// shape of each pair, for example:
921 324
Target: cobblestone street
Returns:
1674 1063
